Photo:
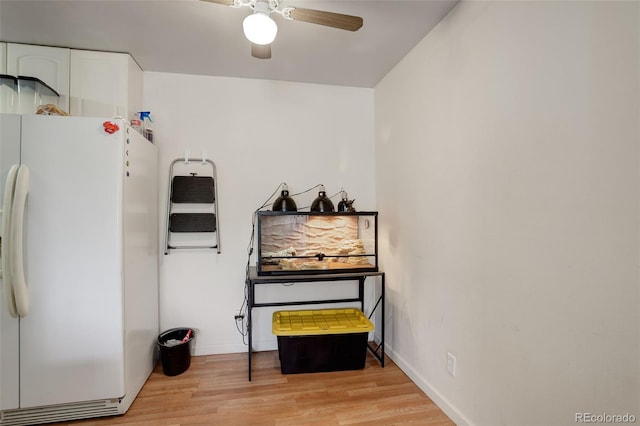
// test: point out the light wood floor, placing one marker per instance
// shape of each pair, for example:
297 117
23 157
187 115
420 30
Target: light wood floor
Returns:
215 391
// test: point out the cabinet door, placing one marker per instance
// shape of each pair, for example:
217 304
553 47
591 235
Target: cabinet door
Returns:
49 64
3 58
104 84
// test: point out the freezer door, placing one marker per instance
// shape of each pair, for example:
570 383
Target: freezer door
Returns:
72 342
9 326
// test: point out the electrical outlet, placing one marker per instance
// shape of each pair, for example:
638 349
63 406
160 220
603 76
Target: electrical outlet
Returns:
451 364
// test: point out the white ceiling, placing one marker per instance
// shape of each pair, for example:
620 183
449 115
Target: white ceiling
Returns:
194 37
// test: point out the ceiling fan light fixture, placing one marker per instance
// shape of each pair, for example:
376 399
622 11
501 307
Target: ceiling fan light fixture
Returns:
259 28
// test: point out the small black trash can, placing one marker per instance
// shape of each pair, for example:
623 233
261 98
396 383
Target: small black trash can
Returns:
175 350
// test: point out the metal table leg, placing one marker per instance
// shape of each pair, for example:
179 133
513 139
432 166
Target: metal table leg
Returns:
249 325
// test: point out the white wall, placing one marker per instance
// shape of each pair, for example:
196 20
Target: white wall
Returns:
507 170
259 133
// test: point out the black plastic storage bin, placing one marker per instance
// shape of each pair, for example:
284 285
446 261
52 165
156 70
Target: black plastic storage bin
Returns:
318 340
312 354
175 350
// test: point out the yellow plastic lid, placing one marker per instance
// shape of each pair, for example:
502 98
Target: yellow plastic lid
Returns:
320 321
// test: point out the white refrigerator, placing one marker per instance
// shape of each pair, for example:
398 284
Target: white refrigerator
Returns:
79 304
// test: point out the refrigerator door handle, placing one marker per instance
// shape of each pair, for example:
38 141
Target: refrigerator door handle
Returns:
20 290
5 242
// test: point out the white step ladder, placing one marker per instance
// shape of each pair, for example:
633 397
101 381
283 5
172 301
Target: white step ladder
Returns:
192 206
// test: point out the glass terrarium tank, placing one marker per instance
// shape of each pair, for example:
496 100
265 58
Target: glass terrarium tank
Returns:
314 242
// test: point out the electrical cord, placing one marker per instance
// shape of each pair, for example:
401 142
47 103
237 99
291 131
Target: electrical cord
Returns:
307 190
241 317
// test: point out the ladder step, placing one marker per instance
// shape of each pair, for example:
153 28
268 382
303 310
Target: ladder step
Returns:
192 189
192 222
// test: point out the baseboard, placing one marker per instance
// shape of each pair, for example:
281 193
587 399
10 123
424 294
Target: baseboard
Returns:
218 349
454 414
258 346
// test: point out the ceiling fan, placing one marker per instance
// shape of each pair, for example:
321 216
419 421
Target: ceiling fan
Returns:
260 29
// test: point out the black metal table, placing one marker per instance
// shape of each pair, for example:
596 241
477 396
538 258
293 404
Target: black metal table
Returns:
254 279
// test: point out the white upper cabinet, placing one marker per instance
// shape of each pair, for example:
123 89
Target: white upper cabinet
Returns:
90 83
49 64
104 84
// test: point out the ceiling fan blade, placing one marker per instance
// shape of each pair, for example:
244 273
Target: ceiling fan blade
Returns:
261 51
329 19
224 2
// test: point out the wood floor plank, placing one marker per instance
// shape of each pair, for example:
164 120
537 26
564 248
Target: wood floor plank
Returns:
215 391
